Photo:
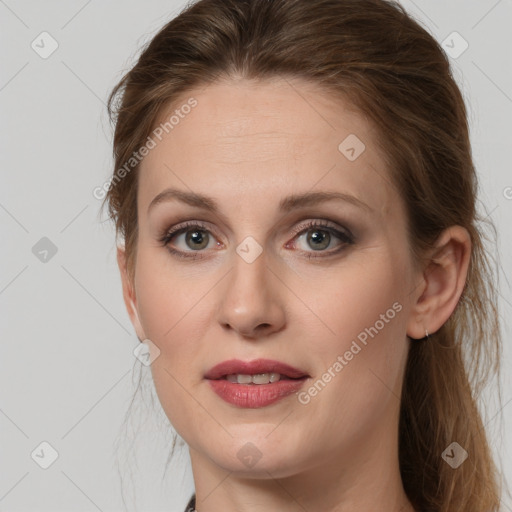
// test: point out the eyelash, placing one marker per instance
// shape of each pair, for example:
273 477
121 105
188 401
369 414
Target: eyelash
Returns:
167 236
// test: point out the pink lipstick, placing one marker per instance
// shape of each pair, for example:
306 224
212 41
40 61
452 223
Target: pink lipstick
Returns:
254 384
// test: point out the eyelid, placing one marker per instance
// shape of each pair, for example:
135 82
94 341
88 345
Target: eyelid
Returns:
167 233
321 223
342 233
302 226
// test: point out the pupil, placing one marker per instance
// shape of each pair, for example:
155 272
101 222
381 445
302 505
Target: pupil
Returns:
197 238
318 240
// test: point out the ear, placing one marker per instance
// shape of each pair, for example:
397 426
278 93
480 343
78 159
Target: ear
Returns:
130 299
442 282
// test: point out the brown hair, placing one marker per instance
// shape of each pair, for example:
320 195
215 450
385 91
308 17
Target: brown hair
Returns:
373 54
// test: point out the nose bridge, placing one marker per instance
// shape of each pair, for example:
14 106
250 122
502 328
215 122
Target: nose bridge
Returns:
250 301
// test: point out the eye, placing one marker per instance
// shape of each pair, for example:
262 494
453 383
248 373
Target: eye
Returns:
196 238
318 235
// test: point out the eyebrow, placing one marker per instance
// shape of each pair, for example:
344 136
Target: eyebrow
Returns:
287 204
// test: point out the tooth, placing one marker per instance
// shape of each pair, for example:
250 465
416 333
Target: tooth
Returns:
244 379
261 378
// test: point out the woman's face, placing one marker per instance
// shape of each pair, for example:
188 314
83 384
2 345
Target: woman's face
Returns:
275 271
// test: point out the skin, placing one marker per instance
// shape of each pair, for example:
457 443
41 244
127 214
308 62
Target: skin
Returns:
247 145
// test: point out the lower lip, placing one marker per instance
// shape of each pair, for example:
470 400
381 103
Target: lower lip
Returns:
252 396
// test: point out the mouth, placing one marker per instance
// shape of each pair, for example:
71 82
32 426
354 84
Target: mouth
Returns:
254 384
257 379
259 371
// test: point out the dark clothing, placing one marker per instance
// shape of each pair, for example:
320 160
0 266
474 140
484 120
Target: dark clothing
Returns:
191 504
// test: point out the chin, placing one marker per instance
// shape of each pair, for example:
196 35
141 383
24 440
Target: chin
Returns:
255 455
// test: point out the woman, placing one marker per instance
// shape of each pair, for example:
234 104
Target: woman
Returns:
300 251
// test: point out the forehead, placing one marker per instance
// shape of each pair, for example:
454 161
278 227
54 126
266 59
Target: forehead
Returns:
244 139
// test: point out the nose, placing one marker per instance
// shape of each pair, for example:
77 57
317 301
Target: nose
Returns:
251 300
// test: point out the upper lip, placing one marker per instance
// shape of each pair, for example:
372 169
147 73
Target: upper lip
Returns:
236 366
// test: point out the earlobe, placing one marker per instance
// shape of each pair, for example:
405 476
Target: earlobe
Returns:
129 297
443 282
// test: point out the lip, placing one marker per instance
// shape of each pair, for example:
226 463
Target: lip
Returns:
252 396
253 367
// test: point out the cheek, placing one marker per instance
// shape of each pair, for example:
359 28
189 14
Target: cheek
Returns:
360 348
359 296
174 308
361 338
169 307
164 296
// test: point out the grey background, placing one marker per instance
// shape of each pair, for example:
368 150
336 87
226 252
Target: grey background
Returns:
67 371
